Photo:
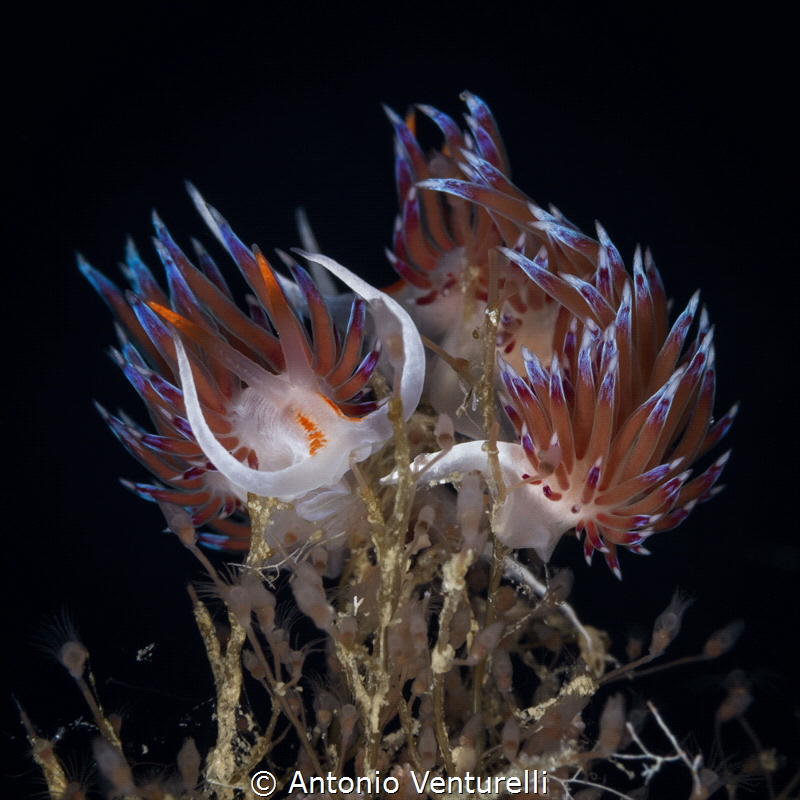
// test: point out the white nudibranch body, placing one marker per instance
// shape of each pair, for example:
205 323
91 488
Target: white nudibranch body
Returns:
303 442
525 518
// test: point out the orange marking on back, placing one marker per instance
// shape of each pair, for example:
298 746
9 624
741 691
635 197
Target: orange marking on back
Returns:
168 314
274 293
330 403
336 408
316 439
193 331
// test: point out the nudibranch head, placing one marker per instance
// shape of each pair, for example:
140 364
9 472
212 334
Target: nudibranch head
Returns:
252 403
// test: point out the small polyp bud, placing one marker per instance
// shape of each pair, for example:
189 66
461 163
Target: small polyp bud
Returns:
115 720
266 619
325 706
310 595
510 738
179 521
319 559
348 716
485 642
612 725
420 684
113 766
444 432
279 642
293 700
295 662
470 507
550 459
722 640
238 601
253 665
425 707
472 731
258 594
502 670
189 764
668 623
59 639
734 705
261 600
505 599
324 719
332 663
634 647
348 628
739 697
406 787
459 627
42 748
425 518
426 746
418 630
73 656
465 759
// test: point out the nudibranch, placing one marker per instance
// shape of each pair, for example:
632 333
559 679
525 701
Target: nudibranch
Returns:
606 406
607 430
252 403
458 206
609 405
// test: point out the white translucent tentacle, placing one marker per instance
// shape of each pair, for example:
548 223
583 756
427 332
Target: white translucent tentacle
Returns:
395 329
526 518
325 468
461 459
205 213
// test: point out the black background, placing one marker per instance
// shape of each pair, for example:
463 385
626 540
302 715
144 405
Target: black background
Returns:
671 129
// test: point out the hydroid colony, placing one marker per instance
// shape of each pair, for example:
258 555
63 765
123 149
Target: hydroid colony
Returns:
409 458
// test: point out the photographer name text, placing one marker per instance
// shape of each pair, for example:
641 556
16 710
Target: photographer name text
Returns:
527 782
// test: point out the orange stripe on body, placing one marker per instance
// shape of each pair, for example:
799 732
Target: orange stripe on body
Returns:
316 439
